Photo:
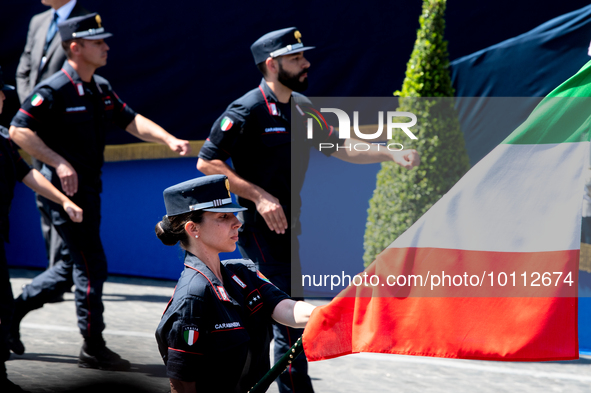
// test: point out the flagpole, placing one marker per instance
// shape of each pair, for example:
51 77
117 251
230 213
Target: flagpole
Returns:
278 368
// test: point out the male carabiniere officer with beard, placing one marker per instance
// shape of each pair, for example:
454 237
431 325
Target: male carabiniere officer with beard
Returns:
255 131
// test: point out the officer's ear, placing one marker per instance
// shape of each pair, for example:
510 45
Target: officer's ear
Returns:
76 46
272 66
192 229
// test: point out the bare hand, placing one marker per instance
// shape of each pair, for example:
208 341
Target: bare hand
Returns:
180 146
73 211
68 177
406 158
269 207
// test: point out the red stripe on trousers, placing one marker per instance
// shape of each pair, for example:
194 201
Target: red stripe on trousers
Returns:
87 292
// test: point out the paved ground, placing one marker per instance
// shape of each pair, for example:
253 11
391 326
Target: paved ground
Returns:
133 308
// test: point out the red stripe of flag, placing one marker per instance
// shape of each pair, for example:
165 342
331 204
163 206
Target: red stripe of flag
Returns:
502 326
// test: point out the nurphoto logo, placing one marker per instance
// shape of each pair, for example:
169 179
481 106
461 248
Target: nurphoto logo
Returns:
345 128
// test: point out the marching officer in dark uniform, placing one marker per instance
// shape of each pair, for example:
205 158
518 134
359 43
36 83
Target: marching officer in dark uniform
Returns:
255 131
63 124
12 169
42 57
213 336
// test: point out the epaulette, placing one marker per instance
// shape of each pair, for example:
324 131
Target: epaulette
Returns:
196 285
245 262
300 99
101 81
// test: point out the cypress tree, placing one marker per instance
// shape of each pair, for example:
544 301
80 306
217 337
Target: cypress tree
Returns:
402 196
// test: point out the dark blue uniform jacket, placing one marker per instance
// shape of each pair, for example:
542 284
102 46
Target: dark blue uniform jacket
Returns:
12 169
72 118
256 132
215 334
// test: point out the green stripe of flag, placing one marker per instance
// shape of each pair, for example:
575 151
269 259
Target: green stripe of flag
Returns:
562 117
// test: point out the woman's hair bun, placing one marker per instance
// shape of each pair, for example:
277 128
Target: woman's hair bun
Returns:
165 234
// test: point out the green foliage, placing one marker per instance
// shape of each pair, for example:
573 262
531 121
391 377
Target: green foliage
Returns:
402 196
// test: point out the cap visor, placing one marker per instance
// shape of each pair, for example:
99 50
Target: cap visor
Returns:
229 208
291 52
7 88
97 37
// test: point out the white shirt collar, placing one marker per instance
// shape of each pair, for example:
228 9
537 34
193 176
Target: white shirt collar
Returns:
64 11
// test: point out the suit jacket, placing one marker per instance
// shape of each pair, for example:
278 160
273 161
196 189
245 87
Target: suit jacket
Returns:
27 72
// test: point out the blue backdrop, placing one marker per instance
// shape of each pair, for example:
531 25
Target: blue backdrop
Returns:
529 65
182 64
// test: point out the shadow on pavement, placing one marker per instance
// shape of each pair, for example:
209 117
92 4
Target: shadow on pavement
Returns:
114 297
19 272
151 370
578 362
107 386
46 358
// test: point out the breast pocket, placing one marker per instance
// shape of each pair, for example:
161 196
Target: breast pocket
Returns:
225 336
78 124
275 139
77 115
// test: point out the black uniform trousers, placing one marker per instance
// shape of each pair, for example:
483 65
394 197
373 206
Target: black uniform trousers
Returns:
54 244
272 254
6 309
85 266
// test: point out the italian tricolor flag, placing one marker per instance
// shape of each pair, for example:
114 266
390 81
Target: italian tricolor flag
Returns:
191 335
226 124
518 211
36 100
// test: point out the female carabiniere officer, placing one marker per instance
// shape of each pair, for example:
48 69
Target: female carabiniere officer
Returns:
213 332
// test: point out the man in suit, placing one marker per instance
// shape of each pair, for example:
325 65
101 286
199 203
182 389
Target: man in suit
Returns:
43 56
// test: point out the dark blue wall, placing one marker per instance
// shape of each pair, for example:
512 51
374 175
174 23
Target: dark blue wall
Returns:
530 65
132 205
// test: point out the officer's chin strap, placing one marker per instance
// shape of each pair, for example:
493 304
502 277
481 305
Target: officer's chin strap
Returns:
278 368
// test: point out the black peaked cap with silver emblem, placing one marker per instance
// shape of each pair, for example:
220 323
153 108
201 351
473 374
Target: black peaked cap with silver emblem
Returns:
278 43
88 27
207 193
